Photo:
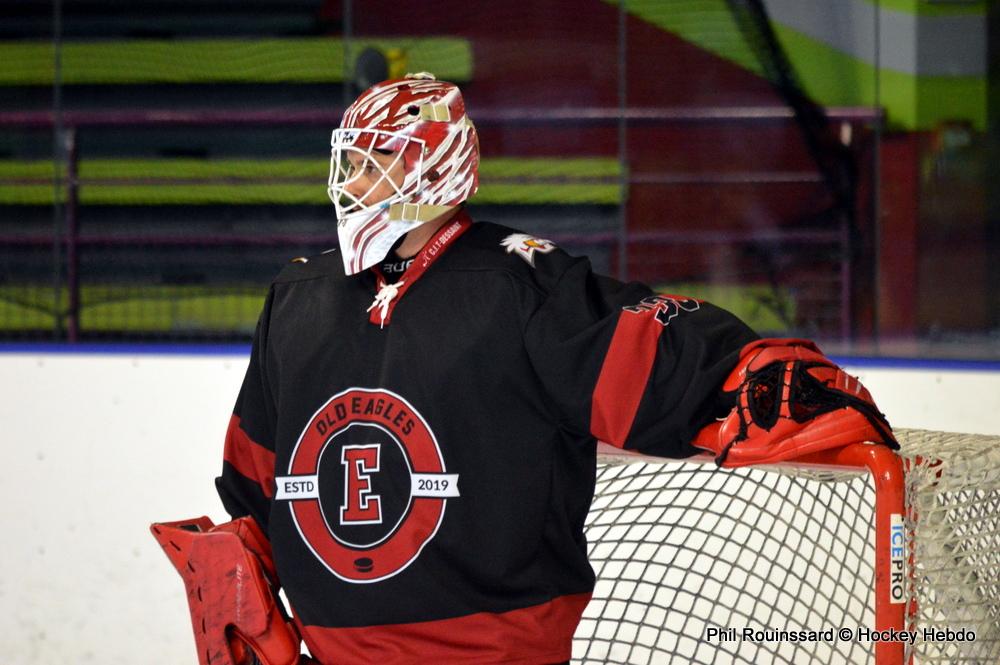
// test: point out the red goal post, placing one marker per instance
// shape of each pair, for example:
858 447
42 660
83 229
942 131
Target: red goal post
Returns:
858 539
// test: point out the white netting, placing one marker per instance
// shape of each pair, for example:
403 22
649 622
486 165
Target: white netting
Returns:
954 503
679 548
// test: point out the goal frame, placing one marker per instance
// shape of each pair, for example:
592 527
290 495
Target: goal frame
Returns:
887 472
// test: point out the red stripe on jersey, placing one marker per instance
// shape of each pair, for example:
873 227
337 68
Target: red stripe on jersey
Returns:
539 634
249 457
623 376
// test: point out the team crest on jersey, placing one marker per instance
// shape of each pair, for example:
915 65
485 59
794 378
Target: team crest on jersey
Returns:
367 485
666 307
527 246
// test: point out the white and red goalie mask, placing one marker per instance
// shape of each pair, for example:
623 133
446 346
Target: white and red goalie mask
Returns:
405 153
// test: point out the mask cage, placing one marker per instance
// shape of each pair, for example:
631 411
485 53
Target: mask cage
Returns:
359 145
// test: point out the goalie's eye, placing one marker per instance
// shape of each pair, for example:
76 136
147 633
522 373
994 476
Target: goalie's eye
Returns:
353 168
368 168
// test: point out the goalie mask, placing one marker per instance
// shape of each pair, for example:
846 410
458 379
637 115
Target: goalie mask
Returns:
405 153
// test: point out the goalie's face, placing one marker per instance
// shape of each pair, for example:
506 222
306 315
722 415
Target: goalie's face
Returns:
362 180
369 171
373 178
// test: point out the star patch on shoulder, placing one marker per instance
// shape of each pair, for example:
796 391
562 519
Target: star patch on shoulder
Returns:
525 246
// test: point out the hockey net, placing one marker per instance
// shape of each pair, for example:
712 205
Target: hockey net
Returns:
683 551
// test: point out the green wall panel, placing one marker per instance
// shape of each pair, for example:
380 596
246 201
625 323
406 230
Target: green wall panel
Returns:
829 76
302 60
592 181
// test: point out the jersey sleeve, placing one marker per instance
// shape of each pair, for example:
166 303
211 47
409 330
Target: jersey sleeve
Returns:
246 485
629 367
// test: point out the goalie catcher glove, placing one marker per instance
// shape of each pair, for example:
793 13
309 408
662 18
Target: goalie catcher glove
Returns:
791 400
228 573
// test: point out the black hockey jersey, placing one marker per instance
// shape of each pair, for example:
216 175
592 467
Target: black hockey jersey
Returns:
424 467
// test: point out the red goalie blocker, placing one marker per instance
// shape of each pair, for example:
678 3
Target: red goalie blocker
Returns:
227 570
791 400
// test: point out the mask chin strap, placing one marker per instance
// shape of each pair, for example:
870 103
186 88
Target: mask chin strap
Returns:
416 212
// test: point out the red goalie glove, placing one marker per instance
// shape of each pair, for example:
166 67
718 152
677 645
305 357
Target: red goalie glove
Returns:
227 570
791 400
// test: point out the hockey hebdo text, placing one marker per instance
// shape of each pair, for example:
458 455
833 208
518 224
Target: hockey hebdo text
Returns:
857 634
